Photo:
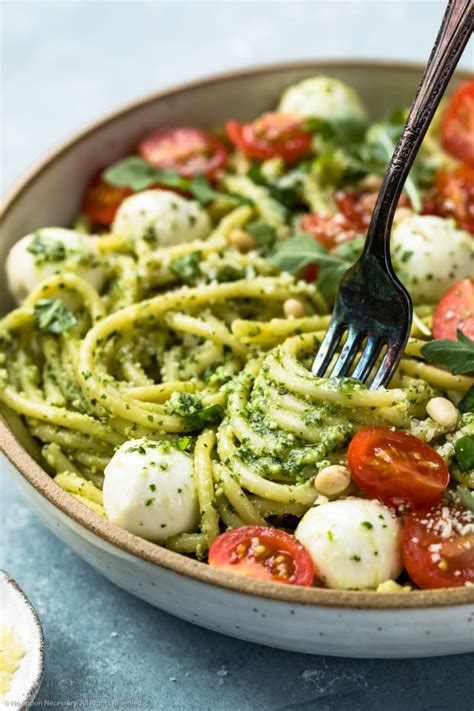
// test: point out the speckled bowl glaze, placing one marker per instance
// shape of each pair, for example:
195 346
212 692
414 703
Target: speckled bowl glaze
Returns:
317 621
18 611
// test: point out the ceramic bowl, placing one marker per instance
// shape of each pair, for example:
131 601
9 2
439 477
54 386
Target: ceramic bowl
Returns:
18 612
317 621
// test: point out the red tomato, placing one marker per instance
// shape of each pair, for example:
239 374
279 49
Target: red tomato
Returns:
453 196
458 124
438 547
273 135
397 468
263 553
356 207
328 230
188 151
102 201
455 310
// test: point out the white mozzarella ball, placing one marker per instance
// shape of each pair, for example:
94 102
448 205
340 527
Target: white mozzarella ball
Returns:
354 543
161 217
430 255
149 490
48 251
323 97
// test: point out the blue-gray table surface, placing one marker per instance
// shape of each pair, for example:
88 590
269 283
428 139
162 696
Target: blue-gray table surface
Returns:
63 64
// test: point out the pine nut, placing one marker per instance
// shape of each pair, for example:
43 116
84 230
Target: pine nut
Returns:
443 412
242 240
332 480
294 308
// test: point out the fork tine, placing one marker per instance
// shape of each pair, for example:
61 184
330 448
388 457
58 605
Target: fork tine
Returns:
388 366
367 359
327 348
347 355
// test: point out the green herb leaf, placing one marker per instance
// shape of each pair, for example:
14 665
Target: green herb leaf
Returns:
464 449
211 415
338 132
187 267
467 497
182 443
263 234
49 250
467 403
458 355
286 197
51 315
137 174
295 254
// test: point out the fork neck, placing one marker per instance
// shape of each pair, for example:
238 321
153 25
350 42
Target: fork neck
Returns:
453 36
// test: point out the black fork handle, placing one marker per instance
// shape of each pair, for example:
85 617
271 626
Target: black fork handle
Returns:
454 33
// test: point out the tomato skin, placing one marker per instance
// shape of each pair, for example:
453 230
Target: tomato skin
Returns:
102 201
252 551
397 468
188 151
455 311
433 561
273 135
453 196
356 207
328 230
457 125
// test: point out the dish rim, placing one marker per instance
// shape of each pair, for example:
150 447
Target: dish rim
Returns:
153 553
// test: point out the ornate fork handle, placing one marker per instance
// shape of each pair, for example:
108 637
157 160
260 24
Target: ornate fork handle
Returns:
453 36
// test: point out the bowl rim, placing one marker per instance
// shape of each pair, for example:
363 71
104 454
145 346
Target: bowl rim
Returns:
153 553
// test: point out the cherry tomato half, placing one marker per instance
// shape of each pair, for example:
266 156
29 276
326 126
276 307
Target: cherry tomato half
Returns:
263 553
273 135
458 124
455 310
328 230
453 196
397 468
188 151
438 547
102 201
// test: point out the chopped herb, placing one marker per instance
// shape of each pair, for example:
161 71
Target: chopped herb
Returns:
51 315
464 449
367 525
149 502
357 558
187 267
467 403
206 416
181 443
153 487
467 497
458 355
48 250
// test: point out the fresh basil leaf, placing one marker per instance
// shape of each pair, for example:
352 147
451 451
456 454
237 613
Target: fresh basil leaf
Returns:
387 136
287 197
458 355
263 233
137 174
337 132
51 315
467 497
467 402
47 250
295 254
464 450
211 415
187 267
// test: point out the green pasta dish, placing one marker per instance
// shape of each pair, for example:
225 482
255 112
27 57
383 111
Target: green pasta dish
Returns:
158 364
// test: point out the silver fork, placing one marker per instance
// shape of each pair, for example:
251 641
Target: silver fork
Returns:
372 305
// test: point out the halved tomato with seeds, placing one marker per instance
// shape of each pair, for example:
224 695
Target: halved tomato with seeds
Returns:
263 553
458 124
273 135
438 547
455 311
102 201
397 468
186 150
453 196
